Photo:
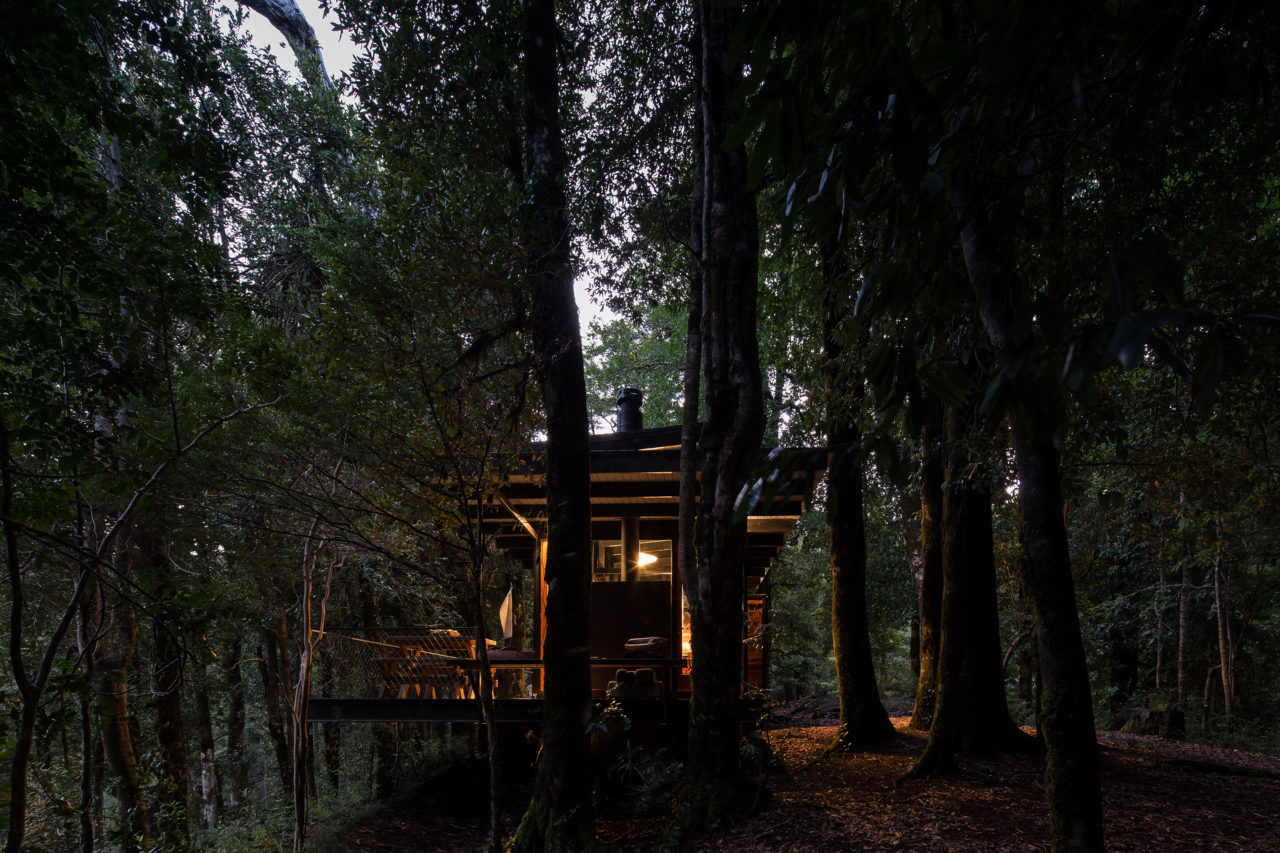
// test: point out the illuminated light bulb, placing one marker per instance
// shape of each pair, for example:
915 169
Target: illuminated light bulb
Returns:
645 559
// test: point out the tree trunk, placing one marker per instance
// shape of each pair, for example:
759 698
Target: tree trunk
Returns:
559 816
971 713
931 574
30 691
384 751
87 766
331 733
690 461
174 793
1066 718
269 669
484 697
289 21
1184 611
1158 606
1226 649
210 778
237 772
88 618
730 440
111 689
863 719
909 514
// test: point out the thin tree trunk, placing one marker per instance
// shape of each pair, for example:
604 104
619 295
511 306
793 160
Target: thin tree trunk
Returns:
385 736
174 793
85 809
210 778
1225 648
559 816
484 696
1184 611
31 687
88 618
1206 704
269 669
302 764
111 689
909 514
931 574
331 732
237 771
1066 719
110 696
690 461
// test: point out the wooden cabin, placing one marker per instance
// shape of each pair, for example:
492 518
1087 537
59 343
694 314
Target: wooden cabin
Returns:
639 627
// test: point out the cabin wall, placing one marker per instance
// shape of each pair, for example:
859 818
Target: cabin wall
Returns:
621 610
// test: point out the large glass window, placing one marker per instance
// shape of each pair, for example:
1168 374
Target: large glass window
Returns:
653 561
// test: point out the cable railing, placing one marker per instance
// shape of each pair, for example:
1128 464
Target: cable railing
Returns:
440 662
422 662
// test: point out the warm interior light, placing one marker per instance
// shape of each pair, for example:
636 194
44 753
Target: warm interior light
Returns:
645 559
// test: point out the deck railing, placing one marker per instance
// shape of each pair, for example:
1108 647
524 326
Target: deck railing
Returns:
437 662
425 662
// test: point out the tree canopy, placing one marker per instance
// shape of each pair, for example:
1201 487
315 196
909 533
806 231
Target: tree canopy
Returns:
267 343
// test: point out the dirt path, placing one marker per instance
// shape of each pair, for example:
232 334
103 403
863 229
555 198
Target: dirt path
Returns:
1158 796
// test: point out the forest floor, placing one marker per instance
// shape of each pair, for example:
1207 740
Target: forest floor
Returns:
1157 794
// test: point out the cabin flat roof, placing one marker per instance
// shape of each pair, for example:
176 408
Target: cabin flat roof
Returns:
635 474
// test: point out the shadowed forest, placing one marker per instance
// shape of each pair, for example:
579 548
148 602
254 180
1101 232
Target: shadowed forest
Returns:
273 340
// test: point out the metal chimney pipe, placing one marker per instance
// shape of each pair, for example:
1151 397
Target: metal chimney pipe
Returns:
630 417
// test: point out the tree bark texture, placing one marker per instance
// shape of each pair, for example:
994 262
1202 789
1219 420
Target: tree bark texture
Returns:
87 767
1066 715
1226 647
20 756
210 777
273 698
287 18
1184 610
689 429
235 756
175 793
111 692
909 514
730 440
931 574
863 719
559 816
971 712
331 733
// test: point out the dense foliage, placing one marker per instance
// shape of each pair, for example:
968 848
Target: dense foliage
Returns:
264 340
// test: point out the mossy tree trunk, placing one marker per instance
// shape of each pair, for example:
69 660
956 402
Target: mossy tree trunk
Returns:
1066 712
930 585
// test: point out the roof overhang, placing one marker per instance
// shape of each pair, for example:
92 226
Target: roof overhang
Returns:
637 475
